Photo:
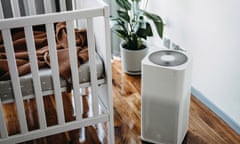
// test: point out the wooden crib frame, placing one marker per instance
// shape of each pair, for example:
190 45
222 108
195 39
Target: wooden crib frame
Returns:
96 15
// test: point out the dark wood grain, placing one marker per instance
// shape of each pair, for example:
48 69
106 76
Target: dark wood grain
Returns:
205 127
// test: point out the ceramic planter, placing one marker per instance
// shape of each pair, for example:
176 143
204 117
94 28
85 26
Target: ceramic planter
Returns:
131 60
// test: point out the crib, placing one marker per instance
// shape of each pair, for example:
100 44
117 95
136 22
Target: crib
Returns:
94 73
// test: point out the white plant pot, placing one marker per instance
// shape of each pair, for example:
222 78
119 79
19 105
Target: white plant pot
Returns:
131 60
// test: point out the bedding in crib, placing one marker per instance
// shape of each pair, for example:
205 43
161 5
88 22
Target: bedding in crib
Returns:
19 42
42 50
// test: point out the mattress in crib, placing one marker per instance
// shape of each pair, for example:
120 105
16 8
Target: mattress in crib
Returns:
6 91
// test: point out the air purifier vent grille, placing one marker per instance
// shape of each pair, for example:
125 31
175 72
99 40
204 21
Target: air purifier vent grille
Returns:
168 58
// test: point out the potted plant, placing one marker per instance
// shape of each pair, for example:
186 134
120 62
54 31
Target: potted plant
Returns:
132 25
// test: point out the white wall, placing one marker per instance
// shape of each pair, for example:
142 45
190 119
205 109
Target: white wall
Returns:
210 30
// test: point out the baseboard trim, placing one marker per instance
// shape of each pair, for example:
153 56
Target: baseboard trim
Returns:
196 93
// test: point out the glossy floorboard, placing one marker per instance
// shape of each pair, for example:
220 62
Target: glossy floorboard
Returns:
204 127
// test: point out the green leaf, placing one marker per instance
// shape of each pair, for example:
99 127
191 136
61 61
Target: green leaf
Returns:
125 4
121 33
152 16
157 20
143 33
124 15
159 28
120 23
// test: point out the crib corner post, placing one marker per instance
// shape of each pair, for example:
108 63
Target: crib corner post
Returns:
109 74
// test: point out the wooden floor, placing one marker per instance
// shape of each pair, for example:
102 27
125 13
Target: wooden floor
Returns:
204 127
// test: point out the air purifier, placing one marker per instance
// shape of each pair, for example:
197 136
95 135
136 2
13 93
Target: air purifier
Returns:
166 86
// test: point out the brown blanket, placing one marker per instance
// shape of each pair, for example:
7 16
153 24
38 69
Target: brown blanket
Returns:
42 50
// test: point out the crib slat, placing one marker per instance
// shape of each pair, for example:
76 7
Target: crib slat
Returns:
31 7
1 11
3 128
55 72
74 69
15 79
92 64
35 76
15 8
47 6
78 4
63 5
109 75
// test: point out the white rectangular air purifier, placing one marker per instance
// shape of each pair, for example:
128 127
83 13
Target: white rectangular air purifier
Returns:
166 88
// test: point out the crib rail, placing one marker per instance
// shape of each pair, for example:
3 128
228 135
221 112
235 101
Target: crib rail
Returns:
50 18
70 17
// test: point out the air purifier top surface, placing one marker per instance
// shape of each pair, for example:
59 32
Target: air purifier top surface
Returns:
168 58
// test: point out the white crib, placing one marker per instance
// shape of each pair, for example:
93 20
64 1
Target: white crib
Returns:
90 14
